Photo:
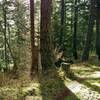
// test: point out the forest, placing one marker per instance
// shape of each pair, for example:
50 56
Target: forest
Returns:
49 49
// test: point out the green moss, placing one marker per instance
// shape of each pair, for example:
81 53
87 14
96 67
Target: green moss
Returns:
71 98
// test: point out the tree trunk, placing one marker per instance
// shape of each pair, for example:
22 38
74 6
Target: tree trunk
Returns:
8 44
62 21
75 32
98 28
34 65
5 32
45 35
85 56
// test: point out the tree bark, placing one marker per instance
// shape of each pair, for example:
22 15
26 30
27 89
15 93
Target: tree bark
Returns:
62 21
45 35
87 47
98 28
5 32
75 32
34 65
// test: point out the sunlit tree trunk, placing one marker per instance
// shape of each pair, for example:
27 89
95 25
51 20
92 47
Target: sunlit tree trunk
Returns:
45 35
5 31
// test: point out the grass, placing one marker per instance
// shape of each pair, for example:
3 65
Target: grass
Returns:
48 85
85 73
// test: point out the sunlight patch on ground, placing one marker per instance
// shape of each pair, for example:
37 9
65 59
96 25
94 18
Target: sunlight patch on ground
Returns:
94 83
92 75
97 84
33 98
96 74
8 92
7 89
62 75
34 87
93 66
80 67
86 70
80 90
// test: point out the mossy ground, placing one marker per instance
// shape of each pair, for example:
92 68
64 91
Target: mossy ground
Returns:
88 74
49 85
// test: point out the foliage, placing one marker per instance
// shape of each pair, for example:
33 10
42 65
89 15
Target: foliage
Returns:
14 26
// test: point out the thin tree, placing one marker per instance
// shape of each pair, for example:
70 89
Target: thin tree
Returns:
34 65
62 21
75 31
5 30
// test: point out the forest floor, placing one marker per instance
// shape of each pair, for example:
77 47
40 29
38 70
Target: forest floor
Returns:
83 84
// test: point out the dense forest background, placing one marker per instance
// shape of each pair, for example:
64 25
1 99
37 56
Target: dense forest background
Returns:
38 37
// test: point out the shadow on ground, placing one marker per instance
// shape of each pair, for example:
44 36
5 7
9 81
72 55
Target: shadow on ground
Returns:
53 87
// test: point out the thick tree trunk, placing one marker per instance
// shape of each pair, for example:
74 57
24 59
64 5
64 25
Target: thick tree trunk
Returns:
98 28
45 35
85 56
75 32
34 49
